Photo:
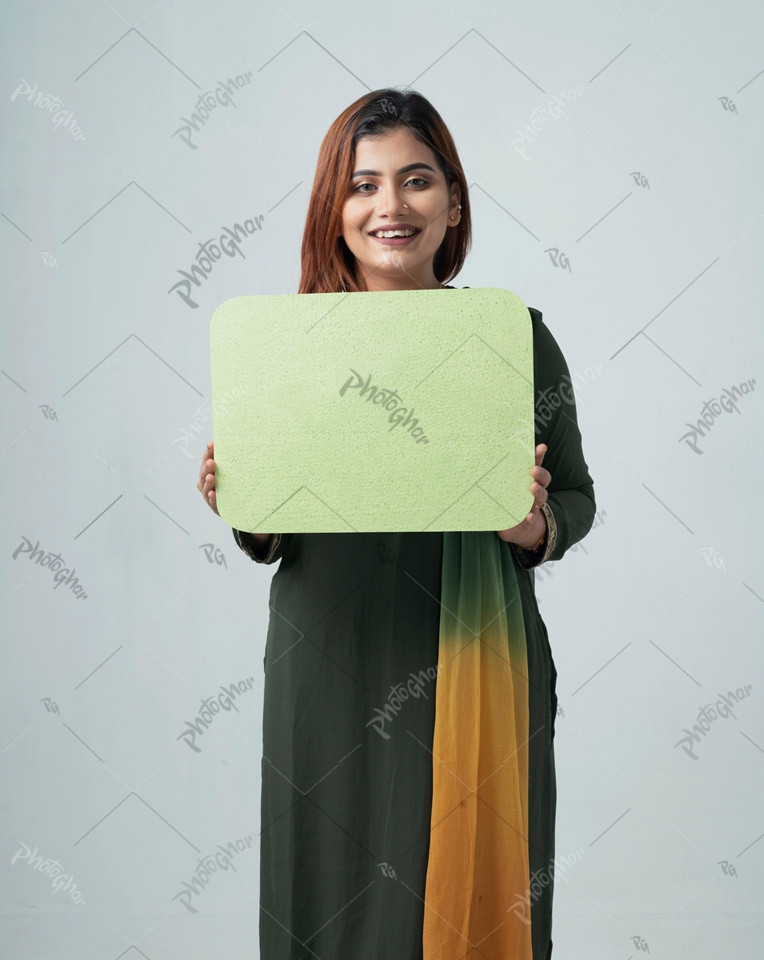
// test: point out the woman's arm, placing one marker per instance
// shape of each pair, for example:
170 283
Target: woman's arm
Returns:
571 504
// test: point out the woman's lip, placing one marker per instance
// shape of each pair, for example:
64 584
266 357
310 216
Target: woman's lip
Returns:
395 241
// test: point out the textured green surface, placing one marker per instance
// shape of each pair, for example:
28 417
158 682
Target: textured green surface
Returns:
296 455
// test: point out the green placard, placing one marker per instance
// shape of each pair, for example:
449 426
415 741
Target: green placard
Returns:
373 411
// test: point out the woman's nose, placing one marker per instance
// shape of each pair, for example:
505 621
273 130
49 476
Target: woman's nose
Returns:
390 201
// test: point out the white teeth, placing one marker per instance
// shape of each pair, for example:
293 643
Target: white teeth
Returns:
394 233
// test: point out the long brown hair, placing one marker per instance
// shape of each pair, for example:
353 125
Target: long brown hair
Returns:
328 266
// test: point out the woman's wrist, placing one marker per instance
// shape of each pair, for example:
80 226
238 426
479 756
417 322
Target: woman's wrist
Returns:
528 559
257 543
259 538
536 534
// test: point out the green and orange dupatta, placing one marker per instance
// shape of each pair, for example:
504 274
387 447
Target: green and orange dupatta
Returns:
478 869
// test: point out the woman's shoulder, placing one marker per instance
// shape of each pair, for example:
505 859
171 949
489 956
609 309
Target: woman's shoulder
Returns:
548 359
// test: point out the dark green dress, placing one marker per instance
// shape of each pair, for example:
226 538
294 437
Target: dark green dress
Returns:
349 709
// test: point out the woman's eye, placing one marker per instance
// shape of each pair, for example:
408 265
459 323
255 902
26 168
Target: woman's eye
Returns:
367 184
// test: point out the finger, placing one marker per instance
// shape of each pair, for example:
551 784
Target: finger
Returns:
207 469
530 518
209 452
209 488
210 497
540 497
540 494
542 475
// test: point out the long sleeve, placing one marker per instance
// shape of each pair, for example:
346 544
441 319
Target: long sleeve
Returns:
273 550
570 499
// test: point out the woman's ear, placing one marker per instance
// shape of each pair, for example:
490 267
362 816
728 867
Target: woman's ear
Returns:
454 213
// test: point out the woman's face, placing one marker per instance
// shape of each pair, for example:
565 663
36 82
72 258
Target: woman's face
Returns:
383 193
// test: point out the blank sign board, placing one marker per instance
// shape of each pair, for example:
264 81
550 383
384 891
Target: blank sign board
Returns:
373 411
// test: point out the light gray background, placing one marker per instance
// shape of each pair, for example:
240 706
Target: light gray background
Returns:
106 408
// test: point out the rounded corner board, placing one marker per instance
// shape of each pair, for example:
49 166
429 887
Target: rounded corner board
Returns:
371 411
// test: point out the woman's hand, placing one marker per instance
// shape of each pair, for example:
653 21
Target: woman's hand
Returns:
528 531
206 482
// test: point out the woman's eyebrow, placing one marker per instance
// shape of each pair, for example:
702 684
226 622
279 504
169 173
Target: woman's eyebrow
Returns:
376 173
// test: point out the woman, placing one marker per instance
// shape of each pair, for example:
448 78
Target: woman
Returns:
408 784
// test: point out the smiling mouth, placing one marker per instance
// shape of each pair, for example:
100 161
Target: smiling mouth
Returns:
397 239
